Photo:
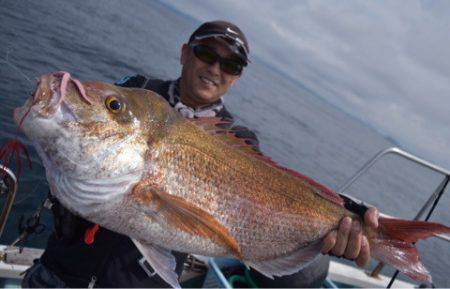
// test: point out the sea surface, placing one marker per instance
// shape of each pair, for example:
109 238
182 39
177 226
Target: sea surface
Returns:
108 39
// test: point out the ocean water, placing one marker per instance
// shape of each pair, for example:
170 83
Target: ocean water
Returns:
105 40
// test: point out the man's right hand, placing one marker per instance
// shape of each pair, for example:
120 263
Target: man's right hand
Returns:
348 241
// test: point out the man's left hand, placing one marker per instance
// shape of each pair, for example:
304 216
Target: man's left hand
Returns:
348 241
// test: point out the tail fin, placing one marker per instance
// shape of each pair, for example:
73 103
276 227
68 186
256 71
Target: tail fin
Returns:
394 245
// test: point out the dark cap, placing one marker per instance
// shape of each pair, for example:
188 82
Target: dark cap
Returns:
227 31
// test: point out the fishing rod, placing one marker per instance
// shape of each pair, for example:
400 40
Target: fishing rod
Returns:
8 183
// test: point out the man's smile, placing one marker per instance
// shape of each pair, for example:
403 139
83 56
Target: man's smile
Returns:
208 81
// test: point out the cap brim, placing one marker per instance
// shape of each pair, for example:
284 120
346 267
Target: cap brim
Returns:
234 46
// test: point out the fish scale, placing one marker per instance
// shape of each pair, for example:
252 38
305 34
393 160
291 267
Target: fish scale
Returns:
221 186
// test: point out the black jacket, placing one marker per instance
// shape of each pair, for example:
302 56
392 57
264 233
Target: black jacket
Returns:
113 258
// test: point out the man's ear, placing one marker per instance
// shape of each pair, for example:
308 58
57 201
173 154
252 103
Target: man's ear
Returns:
234 80
184 53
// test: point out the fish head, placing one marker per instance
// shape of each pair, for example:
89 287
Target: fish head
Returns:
92 135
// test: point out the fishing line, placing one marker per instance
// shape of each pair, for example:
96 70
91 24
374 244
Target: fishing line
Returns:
16 68
14 147
37 186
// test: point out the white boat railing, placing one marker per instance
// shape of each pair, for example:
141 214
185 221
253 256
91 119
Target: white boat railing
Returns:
396 151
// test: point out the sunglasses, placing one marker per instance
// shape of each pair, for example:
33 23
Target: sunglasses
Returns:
208 55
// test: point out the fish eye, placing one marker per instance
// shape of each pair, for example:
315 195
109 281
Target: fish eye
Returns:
114 105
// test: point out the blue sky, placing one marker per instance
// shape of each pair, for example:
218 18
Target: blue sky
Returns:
384 62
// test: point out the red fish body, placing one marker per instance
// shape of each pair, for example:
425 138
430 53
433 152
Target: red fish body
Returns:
122 158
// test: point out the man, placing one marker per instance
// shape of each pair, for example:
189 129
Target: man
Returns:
78 256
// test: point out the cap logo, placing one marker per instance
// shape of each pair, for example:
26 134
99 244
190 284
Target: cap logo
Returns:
231 31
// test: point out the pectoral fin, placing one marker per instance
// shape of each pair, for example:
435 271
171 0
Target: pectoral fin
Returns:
161 260
289 264
196 221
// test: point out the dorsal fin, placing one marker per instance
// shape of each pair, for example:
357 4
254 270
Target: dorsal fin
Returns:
212 126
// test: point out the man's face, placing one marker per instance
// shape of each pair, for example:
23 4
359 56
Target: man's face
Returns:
203 83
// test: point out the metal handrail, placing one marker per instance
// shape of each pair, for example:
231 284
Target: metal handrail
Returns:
408 156
432 200
11 183
397 151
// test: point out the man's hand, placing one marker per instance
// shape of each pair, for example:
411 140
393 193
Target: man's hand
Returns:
348 240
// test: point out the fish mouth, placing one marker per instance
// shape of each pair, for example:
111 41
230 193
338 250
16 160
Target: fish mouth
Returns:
49 97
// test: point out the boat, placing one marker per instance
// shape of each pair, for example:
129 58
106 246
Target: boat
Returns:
214 272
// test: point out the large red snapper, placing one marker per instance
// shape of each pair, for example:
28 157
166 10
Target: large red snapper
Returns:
122 158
